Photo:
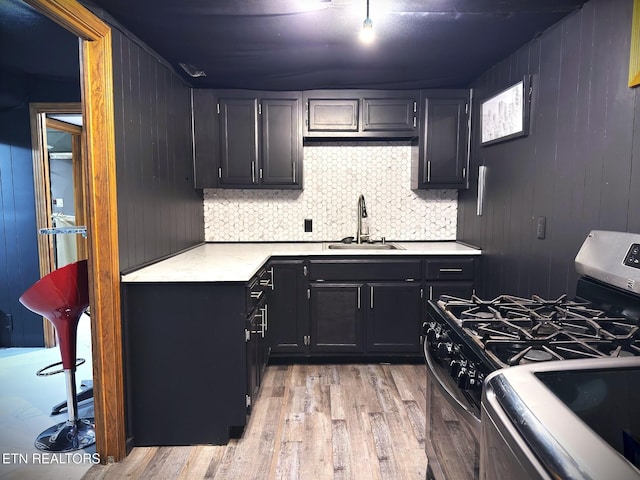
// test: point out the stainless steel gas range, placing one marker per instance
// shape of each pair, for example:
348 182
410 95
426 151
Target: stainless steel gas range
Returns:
467 340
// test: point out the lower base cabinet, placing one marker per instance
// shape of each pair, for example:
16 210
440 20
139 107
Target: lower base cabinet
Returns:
354 307
195 352
186 362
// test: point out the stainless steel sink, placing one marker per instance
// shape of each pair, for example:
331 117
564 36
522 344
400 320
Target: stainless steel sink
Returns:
364 246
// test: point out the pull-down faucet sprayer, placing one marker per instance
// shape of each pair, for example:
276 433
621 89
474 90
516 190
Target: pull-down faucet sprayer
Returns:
362 231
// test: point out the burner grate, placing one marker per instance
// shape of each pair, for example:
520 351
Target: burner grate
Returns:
513 330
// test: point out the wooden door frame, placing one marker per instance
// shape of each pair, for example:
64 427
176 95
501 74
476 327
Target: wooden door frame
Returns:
96 78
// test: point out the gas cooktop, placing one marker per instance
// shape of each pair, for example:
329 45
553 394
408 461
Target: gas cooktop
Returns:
513 330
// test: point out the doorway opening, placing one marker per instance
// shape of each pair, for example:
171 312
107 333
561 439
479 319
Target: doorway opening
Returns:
58 173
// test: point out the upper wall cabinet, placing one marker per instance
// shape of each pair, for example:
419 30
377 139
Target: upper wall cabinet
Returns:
246 139
442 157
361 113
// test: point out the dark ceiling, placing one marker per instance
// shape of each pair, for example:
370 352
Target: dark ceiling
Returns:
295 44
306 44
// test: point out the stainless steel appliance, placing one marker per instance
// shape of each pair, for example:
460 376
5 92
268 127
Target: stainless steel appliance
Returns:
572 420
468 339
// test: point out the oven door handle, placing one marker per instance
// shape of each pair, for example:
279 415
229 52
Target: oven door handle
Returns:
466 414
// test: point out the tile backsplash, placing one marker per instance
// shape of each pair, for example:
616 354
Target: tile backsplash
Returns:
335 174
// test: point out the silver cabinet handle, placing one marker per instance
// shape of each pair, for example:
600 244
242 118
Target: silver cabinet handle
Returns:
430 292
358 298
253 172
428 171
482 178
294 172
371 299
450 270
265 317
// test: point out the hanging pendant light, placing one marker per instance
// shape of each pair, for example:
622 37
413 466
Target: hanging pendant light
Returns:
366 34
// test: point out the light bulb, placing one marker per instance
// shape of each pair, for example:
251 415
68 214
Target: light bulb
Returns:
366 34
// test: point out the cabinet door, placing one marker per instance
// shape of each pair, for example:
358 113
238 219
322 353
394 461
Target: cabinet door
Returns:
281 141
288 308
390 115
443 142
336 318
333 115
394 317
238 125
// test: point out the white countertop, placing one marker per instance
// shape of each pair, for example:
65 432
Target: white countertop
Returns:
239 262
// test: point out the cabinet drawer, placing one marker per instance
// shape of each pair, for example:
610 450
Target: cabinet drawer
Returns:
365 270
449 269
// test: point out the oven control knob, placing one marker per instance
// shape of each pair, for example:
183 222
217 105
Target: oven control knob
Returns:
455 366
433 332
444 350
476 384
463 378
475 380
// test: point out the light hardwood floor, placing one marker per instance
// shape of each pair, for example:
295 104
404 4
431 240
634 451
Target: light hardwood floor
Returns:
310 422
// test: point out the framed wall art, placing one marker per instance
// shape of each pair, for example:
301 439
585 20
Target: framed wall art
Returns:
505 115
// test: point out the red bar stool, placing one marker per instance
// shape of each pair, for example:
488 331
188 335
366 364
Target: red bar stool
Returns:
62 296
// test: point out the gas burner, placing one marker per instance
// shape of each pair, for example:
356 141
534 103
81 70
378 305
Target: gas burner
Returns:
535 355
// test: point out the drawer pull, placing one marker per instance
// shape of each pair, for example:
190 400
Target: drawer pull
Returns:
256 294
450 270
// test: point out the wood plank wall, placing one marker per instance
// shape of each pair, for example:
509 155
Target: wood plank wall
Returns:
159 211
580 165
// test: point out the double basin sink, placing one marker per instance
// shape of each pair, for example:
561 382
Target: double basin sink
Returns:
364 246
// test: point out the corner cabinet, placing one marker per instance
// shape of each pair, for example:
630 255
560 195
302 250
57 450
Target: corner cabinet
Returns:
247 139
361 113
442 157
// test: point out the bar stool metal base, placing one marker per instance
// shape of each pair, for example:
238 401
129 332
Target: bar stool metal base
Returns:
67 436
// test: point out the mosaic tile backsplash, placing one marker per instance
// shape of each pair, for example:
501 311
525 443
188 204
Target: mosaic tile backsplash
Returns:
335 174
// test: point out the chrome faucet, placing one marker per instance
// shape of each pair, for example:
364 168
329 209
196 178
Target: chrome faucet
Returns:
362 231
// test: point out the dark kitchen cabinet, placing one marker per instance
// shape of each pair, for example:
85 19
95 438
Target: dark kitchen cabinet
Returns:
288 307
186 365
442 157
247 139
361 113
336 318
450 276
370 307
394 317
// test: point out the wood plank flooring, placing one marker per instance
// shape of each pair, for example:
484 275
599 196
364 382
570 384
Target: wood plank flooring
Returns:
340 422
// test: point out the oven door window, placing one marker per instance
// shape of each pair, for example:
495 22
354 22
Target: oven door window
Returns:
452 427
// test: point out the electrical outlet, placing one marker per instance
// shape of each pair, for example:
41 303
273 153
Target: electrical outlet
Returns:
308 225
